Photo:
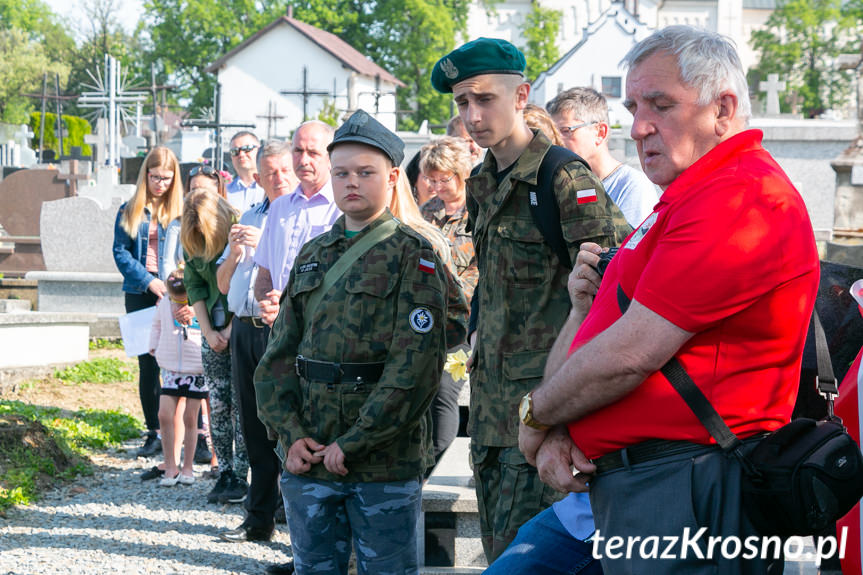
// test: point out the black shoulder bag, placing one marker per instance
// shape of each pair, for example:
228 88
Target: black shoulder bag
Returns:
798 479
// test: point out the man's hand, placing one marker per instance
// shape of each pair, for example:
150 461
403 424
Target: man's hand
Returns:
529 440
241 235
584 281
270 307
301 455
334 459
556 459
184 314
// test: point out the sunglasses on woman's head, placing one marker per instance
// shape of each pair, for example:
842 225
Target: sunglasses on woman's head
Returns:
202 169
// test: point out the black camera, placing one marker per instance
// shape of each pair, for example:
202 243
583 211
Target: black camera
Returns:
605 259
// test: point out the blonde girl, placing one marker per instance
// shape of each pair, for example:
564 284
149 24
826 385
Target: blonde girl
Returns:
139 253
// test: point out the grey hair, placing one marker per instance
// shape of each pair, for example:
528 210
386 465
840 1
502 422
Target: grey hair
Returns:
273 148
328 130
707 61
585 103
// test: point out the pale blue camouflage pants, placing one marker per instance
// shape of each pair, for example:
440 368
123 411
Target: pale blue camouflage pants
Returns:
380 518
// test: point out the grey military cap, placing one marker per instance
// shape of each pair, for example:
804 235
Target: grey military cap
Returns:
361 128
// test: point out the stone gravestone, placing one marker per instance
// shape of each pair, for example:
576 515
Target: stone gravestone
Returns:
77 240
772 86
21 197
848 202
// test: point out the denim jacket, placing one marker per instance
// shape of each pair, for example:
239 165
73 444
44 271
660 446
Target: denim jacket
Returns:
130 254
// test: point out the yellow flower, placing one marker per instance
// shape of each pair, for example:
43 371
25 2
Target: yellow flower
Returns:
455 365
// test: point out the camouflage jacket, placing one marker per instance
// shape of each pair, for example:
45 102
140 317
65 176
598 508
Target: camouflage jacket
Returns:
370 315
523 300
454 228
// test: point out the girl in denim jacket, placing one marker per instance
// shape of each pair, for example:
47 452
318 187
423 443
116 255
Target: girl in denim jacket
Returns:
139 237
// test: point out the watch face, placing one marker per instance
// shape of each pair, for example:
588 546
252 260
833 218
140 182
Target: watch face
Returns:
524 408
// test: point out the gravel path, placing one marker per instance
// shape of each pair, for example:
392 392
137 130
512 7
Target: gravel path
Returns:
112 522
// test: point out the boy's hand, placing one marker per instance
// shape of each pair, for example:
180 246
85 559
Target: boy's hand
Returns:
301 455
334 459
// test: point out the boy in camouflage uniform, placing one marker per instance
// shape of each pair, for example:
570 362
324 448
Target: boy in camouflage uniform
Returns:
350 371
521 301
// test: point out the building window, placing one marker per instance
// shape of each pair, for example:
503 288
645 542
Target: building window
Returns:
611 86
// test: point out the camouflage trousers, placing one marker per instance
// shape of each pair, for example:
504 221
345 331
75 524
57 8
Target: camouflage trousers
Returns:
228 442
324 516
508 492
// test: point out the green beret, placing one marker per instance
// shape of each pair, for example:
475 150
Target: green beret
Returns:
480 56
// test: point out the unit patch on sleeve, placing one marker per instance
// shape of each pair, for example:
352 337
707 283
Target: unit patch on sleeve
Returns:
421 320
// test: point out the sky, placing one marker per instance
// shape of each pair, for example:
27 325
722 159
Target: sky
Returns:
127 13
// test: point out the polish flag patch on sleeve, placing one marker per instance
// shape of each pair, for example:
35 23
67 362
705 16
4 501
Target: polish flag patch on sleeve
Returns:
586 196
426 266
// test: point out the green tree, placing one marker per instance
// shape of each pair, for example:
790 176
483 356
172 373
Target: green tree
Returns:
800 42
33 41
41 25
22 63
540 29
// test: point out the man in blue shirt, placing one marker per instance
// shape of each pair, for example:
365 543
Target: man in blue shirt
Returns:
244 191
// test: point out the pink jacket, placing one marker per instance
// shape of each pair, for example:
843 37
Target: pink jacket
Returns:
172 351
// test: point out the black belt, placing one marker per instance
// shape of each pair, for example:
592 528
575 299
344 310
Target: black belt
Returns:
644 452
253 321
329 372
655 449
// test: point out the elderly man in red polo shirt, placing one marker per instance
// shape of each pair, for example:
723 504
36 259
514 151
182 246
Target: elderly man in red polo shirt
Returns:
723 277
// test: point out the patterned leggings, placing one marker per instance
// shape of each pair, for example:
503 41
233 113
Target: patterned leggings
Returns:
224 416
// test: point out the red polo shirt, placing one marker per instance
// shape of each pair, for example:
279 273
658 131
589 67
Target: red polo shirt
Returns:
728 254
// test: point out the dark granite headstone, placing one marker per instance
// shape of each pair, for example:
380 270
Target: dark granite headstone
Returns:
129 168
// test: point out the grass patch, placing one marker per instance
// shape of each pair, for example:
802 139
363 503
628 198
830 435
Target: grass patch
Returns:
99 370
106 343
40 445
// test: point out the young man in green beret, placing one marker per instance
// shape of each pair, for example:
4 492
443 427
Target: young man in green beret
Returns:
521 301
353 361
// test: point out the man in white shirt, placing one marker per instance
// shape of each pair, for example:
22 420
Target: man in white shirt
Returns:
581 115
297 217
244 191
236 277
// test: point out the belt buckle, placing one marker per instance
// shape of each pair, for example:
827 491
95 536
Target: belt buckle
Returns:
257 322
297 365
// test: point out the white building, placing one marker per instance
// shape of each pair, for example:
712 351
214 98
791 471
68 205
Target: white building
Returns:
292 56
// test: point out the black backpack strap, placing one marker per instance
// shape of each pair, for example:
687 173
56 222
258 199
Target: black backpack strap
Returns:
543 202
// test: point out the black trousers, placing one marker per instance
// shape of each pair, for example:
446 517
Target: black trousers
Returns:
248 344
148 378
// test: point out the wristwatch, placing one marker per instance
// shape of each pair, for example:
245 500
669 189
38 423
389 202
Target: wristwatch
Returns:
525 412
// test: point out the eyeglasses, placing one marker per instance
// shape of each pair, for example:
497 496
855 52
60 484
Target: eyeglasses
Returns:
159 179
435 183
567 130
247 148
203 169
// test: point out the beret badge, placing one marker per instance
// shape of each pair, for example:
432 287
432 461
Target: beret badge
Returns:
449 69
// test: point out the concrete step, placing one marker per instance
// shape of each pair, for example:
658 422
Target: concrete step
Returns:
450 570
449 526
14 305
